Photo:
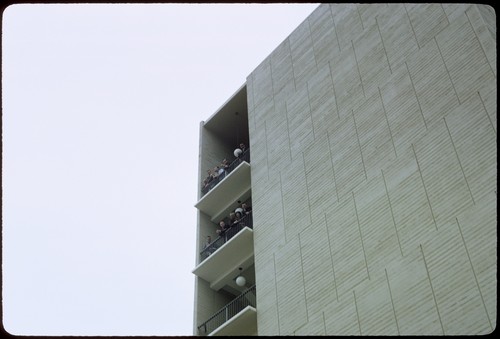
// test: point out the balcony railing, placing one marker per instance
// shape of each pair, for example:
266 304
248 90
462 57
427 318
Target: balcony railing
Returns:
247 298
245 156
246 221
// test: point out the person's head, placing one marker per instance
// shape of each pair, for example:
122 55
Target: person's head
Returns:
243 205
222 224
242 146
209 238
232 215
238 215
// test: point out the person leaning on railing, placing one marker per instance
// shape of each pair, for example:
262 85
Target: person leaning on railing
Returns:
232 219
246 209
222 228
208 179
224 165
208 247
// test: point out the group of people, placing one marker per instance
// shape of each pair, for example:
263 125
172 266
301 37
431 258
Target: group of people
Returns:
234 219
213 174
221 170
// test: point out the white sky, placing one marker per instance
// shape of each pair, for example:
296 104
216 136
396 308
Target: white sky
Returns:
100 118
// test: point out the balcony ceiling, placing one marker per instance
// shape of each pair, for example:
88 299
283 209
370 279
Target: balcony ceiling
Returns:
226 124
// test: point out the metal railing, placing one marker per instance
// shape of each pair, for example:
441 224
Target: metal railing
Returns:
247 298
246 221
245 156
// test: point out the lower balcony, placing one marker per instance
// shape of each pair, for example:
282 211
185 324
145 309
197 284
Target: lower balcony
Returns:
239 317
230 253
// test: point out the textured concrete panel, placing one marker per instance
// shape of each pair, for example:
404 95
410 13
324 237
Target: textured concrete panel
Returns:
404 115
443 178
478 227
346 156
408 201
376 223
320 179
427 20
460 305
375 126
319 275
314 326
435 92
372 59
346 81
278 139
299 122
303 58
349 259
483 21
295 199
474 141
375 136
347 22
322 101
397 35
267 315
375 308
268 219
282 71
262 84
323 35
341 317
464 58
412 296
370 12
292 310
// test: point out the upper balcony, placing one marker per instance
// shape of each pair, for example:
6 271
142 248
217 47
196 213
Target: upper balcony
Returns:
227 255
222 192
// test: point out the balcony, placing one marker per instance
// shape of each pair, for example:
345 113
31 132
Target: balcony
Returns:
223 191
220 262
247 221
239 317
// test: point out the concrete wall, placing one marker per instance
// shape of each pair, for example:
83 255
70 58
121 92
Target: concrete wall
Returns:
373 137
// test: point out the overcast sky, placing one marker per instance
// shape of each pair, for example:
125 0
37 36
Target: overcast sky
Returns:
101 106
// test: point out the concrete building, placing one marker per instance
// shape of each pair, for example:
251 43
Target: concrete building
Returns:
371 175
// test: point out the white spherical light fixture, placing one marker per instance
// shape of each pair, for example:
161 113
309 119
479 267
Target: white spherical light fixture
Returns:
241 281
237 152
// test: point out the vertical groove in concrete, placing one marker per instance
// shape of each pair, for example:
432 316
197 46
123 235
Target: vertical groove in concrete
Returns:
489 118
423 184
459 162
392 213
331 258
359 144
357 312
276 289
432 288
447 71
416 96
361 236
474 273
387 121
392 300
